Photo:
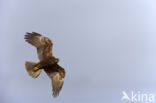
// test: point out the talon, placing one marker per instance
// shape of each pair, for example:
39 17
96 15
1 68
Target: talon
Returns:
35 68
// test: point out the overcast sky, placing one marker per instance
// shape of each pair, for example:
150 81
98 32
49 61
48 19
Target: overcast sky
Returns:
105 46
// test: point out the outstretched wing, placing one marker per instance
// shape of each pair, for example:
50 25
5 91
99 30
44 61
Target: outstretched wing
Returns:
35 39
43 44
57 74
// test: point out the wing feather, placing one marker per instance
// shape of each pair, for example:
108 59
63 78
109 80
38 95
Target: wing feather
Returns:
57 83
56 75
35 39
43 44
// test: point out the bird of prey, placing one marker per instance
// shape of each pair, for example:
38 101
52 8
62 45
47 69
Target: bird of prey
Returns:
47 61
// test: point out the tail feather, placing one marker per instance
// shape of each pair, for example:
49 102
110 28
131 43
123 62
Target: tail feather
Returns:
29 67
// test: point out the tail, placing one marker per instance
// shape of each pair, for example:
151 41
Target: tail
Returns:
29 67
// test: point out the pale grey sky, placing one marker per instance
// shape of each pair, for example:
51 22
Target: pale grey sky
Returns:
106 46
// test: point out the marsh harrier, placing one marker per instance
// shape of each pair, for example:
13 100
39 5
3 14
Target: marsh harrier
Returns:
47 61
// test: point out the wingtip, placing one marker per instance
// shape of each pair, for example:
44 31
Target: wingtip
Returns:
55 95
27 33
30 35
35 33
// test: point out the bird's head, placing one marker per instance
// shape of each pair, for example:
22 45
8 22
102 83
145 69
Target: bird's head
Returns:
56 60
53 60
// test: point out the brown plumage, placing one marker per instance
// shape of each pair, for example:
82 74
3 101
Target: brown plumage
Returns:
47 61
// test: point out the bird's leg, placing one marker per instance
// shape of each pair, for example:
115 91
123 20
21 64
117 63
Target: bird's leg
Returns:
37 66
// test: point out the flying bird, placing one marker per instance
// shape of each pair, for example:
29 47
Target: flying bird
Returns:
47 61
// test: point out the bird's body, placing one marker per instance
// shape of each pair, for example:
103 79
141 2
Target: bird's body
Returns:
46 61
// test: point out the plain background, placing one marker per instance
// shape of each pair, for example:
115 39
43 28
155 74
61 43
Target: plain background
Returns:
105 46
